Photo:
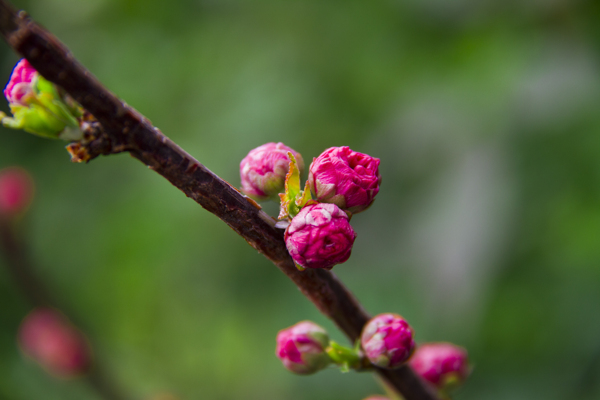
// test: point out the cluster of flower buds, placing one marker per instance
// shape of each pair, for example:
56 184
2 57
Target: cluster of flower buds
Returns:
16 191
343 182
38 107
443 365
52 341
386 340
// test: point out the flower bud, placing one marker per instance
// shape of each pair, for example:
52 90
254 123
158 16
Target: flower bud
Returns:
301 348
263 170
387 340
20 87
320 236
346 178
16 191
37 106
442 364
376 398
52 341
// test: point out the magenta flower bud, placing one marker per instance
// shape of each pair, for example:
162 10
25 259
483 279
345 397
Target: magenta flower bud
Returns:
21 84
263 170
38 107
16 191
442 364
52 341
301 348
387 340
346 178
320 236
377 398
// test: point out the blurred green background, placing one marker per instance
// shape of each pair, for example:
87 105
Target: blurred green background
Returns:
486 231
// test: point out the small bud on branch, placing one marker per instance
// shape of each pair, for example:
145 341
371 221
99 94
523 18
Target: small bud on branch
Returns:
51 340
346 178
264 169
37 106
320 236
387 340
16 191
301 348
444 365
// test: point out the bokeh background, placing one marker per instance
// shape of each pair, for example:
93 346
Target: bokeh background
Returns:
486 231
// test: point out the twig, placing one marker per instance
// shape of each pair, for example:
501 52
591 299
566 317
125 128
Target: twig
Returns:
19 266
124 129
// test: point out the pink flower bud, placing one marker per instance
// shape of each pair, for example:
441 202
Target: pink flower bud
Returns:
263 170
20 85
377 398
320 236
301 348
51 340
442 364
346 178
387 340
16 190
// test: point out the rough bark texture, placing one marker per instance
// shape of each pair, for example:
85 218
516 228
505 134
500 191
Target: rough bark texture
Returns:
124 129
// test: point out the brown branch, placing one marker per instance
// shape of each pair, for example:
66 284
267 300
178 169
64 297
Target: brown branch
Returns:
127 130
19 266
37 293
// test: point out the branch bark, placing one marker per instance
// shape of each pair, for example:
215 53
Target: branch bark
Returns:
124 129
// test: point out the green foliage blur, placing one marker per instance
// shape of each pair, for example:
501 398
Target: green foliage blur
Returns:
486 231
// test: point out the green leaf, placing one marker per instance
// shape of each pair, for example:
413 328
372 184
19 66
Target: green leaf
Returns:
293 199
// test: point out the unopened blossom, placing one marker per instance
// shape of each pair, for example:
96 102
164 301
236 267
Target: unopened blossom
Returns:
51 340
387 340
346 178
320 236
20 89
376 398
16 191
263 170
301 348
37 106
442 364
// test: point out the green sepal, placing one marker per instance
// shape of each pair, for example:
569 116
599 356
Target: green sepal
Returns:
299 267
345 357
45 115
47 96
34 119
293 199
64 105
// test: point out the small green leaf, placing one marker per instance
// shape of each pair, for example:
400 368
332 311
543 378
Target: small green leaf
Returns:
293 199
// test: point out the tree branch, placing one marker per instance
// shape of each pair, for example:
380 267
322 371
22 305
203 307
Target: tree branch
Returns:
38 294
124 129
